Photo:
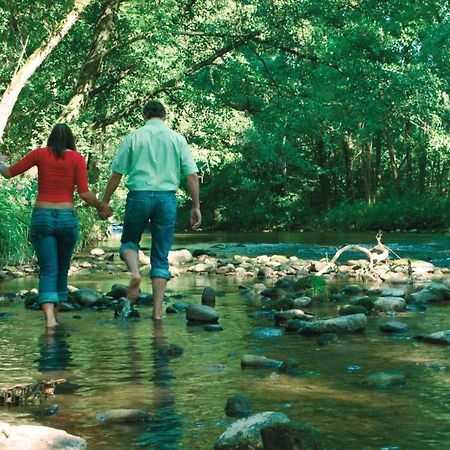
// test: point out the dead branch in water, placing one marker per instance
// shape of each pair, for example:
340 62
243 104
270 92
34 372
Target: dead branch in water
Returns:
21 394
377 254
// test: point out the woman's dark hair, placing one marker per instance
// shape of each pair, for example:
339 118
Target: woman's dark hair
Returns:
61 139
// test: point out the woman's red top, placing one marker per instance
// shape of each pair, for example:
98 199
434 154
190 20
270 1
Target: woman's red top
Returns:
57 178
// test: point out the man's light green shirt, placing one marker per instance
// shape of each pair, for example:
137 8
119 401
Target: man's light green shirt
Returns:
154 158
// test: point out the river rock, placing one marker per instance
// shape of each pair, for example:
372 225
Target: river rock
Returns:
118 291
238 406
348 310
123 416
201 313
344 324
265 332
86 296
422 267
177 307
213 327
353 289
390 304
291 435
301 301
385 379
393 292
246 433
32 437
97 252
425 296
179 257
288 314
441 288
441 337
249 360
393 326
209 296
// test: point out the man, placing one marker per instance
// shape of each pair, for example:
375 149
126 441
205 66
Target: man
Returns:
155 159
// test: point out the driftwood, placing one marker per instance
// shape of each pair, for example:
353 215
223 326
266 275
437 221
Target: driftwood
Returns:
21 394
377 254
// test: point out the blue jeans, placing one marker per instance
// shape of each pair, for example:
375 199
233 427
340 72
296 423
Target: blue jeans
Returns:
160 209
53 233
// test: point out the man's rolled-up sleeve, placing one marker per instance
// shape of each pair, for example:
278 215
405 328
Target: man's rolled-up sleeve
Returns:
188 164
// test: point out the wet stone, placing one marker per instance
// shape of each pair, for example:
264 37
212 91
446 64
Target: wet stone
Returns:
393 326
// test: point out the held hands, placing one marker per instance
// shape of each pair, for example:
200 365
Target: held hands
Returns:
104 211
196 218
3 158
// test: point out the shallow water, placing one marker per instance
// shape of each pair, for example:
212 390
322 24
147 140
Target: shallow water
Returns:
110 364
433 247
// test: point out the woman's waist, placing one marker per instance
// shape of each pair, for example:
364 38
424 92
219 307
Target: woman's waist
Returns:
68 206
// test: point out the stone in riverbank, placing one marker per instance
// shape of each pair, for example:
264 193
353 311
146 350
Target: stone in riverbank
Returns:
201 313
31 437
441 337
344 324
246 433
385 379
257 361
238 406
291 435
123 416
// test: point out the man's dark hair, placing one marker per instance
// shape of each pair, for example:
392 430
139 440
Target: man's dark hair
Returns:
154 109
61 139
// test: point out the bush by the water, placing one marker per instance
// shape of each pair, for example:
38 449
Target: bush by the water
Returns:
17 197
396 213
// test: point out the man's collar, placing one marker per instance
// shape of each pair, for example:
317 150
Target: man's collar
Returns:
154 121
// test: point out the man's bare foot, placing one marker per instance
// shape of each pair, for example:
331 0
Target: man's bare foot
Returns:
51 324
133 289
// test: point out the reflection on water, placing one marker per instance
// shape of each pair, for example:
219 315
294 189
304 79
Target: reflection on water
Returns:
165 429
54 352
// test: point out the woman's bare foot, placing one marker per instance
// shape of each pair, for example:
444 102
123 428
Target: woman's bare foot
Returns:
51 323
133 289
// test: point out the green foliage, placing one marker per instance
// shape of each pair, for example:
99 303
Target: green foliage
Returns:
16 197
313 104
396 213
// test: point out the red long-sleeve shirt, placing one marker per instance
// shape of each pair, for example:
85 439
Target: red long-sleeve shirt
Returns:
57 178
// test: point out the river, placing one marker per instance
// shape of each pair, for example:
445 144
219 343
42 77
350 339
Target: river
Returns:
111 364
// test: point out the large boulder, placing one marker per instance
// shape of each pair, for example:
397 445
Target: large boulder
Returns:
246 433
32 437
291 435
344 324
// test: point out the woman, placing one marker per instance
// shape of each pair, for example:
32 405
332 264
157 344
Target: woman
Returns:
54 225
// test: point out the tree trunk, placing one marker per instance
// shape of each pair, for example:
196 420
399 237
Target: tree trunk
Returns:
366 168
324 183
394 165
93 62
347 148
32 63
